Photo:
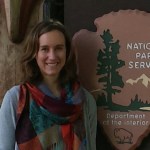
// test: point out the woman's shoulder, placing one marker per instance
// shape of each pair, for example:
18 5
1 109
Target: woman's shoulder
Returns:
88 94
13 91
89 98
12 96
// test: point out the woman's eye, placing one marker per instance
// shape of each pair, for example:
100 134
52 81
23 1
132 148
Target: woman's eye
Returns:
59 48
44 49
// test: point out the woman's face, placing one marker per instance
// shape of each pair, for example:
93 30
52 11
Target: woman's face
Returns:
51 56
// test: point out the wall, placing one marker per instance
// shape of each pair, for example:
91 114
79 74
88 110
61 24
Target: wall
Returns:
81 14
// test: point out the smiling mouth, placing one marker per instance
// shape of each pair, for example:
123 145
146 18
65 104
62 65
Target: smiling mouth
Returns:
52 64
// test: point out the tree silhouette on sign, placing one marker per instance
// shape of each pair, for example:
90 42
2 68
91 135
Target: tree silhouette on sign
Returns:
108 63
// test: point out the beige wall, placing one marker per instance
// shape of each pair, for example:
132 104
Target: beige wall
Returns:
10 52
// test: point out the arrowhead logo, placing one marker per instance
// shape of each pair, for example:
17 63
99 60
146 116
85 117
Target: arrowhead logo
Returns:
118 74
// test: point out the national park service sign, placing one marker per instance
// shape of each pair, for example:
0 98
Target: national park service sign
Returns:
114 65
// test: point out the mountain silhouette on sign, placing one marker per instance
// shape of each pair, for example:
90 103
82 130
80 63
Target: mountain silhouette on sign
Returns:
143 78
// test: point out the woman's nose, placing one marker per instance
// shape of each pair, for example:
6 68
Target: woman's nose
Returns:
52 54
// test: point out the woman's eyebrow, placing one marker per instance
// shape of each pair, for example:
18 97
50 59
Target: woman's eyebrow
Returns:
43 45
60 45
55 45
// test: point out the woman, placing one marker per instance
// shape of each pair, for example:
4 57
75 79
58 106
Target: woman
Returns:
50 110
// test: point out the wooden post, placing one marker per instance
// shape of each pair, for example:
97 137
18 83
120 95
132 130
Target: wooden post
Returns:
10 51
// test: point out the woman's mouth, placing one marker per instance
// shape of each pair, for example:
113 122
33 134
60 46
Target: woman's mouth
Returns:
52 64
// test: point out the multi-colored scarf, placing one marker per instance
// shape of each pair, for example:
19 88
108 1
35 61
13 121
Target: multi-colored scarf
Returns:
46 123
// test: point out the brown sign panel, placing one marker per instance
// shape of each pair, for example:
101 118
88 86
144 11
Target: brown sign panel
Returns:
114 65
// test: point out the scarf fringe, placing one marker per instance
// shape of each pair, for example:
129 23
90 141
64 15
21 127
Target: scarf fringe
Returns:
57 146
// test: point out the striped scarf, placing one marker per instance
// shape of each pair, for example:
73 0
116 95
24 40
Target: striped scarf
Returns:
46 123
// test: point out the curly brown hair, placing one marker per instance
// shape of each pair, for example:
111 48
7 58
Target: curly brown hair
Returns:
30 69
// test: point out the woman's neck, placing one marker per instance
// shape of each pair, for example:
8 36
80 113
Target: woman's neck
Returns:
53 85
